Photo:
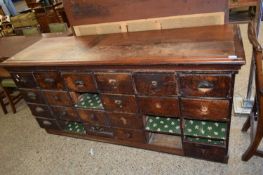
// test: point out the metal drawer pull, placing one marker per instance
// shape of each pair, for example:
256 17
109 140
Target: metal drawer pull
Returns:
47 123
204 109
119 103
113 83
93 117
128 135
205 86
63 114
32 95
49 80
158 105
56 98
39 109
79 83
154 84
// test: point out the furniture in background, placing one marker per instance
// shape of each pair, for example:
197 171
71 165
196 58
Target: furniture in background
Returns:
58 27
255 119
22 21
31 31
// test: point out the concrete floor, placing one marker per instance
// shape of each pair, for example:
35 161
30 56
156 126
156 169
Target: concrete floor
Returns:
27 149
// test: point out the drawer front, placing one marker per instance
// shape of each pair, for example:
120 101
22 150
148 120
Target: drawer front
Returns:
205 85
96 118
24 80
132 121
65 113
58 98
159 106
40 110
119 103
119 83
49 80
130 135
79 82
48 124
32 96
99 131
205 109
205 152
155 84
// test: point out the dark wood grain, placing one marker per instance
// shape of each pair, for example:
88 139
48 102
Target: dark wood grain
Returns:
49 80
65 113
32 96
95 118
132 121
60 98
130 135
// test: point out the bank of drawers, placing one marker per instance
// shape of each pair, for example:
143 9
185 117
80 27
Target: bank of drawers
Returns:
126 97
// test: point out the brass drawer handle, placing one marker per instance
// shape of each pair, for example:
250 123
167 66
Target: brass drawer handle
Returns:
47 123
32 95
158 105
119 103
93 117
39 109
79 83
63 114
49 80
205 86
128 135
113 83
204 109
56 98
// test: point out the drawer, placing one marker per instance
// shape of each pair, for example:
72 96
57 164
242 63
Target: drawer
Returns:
65 113
96 118
205 109
48 124
119 83
40 110
32 96
130 135
99 131
119 103
60 98
205 85
159 106
155 83
49 80
132 121
214 153
80 82
24 80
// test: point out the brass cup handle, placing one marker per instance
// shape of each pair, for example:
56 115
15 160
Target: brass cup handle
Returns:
205 86
79 83
32 95
49 80
204 109
113 83
119 103
128 135
39 109
47 123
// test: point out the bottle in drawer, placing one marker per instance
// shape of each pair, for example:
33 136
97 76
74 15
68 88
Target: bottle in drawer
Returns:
40 110
119 103
60 98
130 135
32 96
155 83
49 80
205 85
86 100
118 83
65 113
163 106
124 120
91 117
205 109
24 80
80 82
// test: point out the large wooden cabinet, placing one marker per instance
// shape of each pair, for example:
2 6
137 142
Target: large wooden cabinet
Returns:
168 91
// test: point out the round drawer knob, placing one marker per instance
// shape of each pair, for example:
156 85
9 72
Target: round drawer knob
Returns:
47 123
158 105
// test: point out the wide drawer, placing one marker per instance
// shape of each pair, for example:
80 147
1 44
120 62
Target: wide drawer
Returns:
60 98
32 96
96 118
48 124
205 109
130 135
122 120
159 106
118 83
119 103
155 83
80 82
65 113
40 110
213 153
206 85
49 80
24 80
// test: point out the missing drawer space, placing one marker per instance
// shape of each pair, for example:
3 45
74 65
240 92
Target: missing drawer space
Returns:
169 141
87 100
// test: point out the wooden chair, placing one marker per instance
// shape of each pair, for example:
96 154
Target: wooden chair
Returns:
8 91
255 119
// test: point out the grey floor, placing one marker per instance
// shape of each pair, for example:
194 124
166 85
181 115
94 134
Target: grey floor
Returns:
27 149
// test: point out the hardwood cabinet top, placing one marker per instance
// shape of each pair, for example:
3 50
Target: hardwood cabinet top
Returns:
199 45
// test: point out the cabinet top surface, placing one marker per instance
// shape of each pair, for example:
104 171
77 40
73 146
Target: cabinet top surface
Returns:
200 45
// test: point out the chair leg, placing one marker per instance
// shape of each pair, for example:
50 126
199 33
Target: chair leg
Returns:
246 125
252 149
3 105
9 98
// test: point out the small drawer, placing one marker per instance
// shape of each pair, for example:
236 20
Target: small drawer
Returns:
80 82
40 110
130 135
24 80
119 83
99 131
73 127
49 80
208 152
48 124
65 113
155 84
59 98
96 118
119 103
205 109
159 106
205 85
132 121
32 96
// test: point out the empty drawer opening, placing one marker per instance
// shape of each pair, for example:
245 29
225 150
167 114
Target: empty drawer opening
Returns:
164 140
87 100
